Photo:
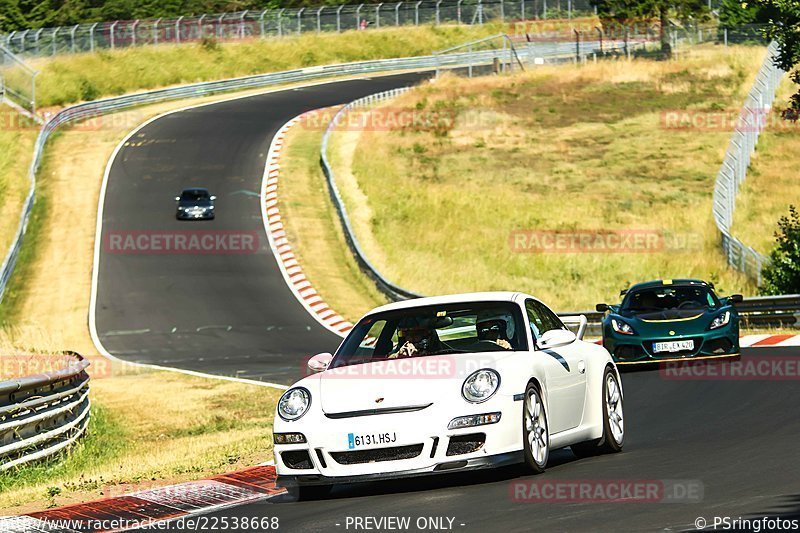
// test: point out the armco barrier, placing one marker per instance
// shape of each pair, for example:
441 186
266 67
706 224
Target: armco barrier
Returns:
41 415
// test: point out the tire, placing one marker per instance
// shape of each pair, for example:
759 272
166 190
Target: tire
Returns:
304 493
535 433
613 421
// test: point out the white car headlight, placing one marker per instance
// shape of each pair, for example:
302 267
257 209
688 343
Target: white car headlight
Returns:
480 385
294 403
721 320
621 327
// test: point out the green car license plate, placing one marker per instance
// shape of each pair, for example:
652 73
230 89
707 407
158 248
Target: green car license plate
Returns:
673 346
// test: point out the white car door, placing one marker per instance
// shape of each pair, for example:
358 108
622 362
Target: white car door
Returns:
565 370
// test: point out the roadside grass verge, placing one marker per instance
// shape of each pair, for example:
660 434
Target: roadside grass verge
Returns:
151 427
17 137
71 78
565 149
147 429
313 227
772 180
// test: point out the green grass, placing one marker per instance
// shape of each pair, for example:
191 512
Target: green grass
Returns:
67 79
568 149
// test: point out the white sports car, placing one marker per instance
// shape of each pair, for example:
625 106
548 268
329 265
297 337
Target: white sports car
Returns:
447 384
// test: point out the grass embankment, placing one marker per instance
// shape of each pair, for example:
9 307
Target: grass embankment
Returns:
67 79
772 180
147 427
313 227
17 137
569 149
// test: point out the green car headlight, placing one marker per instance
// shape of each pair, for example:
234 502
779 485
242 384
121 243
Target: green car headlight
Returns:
721 320
622 327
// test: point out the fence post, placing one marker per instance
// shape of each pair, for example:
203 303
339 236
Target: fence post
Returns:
397 14
480 12
522 9
544 9
378 15
72 37
261 22
358 16
241 24
319 19
36 39
458 11
133 33
577 45
178 30
55 40
416 13
280 22
725 33
569 9
111 34
502 11
300 20
437 11
22 40
339 19
220 26
91 37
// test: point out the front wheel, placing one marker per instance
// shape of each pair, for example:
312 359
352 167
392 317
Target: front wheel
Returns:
613 421
536 438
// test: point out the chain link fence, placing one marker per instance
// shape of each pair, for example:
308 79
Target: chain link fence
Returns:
17 82
280 22
751 123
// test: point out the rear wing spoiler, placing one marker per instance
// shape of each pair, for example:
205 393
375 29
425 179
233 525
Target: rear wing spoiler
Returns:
577 321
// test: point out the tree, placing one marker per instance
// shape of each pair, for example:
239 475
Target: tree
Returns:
630 11
782 276
11 17
784 27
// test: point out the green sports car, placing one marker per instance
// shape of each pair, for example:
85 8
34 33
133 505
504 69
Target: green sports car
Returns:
671 320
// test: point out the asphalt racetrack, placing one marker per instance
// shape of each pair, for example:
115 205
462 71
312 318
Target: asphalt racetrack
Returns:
734 441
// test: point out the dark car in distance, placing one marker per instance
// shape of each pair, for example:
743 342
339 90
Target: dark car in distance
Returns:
195 204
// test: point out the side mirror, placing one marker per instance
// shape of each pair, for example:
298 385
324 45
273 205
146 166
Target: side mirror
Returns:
320 362
177 198
213 198
601 308
555 338
736 299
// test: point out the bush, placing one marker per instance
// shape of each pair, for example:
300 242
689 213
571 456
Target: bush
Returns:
782 276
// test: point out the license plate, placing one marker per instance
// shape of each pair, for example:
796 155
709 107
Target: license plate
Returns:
362 440
673 346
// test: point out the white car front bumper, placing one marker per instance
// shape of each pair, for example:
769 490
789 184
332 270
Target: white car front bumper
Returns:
408 443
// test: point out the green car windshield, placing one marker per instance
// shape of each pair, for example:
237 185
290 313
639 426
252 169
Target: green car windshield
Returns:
670 298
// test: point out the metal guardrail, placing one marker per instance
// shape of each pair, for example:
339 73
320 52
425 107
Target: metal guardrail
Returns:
43 414
752 122
284 22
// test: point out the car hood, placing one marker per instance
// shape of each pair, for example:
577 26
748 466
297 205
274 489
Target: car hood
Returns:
400 383
195 204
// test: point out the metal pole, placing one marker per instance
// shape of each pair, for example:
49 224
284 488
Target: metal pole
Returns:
91 36
339 19
241 25
577 45
378 15
569 9
133 34
358 16
220 25
544 9
36 39
55 40
155 31
319 19
299 20
280 22
178 29
470 61
437 11
261 21
200 32
480 12
502 11
111 34
397 14
22 39
416 13
725 33
72 37
522 9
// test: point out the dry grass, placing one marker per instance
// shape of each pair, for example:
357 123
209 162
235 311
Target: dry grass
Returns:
558 148
17 136
772 181
153 427
313 227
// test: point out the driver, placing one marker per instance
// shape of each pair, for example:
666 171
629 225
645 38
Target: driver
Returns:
415 336
496 327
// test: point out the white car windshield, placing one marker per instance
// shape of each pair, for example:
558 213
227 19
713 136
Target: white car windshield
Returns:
434 330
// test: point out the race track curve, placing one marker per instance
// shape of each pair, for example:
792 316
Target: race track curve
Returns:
223 313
